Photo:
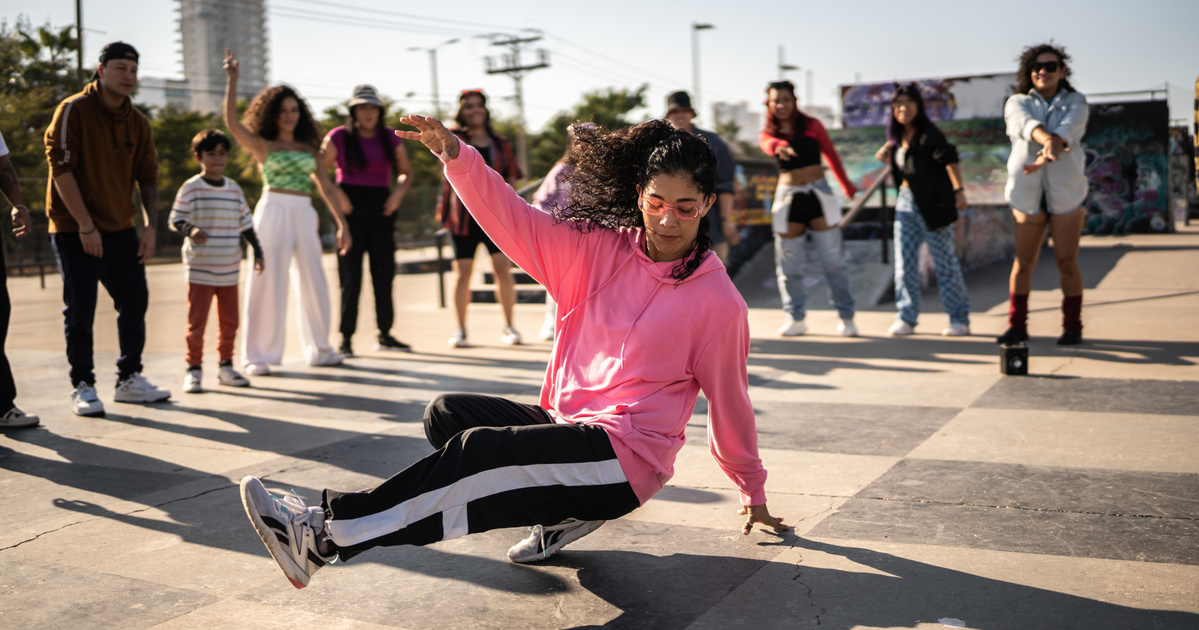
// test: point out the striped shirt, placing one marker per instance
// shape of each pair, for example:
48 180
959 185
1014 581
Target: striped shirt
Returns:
222 213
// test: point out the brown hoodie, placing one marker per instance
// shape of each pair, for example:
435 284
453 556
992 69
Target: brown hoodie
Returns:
107 150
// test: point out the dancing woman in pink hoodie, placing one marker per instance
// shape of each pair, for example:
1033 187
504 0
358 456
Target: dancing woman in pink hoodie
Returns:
647 318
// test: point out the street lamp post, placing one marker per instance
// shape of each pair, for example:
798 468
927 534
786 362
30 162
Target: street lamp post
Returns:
433 71
784 66
696 27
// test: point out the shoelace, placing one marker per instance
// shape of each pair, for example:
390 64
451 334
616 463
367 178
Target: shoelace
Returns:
297 510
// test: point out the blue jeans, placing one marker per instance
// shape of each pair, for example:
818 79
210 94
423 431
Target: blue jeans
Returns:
788 267
910 231
124 278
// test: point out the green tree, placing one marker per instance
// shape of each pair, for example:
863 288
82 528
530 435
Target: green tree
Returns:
608 108
36 73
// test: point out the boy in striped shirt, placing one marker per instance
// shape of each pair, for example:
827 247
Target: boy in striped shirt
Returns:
211 211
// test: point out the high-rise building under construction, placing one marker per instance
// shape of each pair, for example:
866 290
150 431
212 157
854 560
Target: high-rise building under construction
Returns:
206 29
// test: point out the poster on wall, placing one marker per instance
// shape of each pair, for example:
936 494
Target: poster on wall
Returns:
1126 147
948 98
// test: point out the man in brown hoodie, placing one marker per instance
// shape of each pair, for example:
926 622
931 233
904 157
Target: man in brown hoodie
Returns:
99 146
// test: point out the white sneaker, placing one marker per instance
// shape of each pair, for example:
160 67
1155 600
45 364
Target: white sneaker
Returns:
792 327
329 359
547 331
229 377
510 337
15 419
86 403
846 328
900 329
258 369
459 339
547 541
137 389
191 381
956 330
288 528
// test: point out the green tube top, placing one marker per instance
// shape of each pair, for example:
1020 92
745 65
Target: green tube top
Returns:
290 170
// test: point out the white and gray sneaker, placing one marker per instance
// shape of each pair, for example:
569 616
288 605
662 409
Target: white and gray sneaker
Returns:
86 402
15 419
191 380
547 541
229 377
138 389
289 528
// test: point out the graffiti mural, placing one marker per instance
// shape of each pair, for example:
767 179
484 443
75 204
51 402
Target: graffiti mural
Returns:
1126 145
945 99
1184 199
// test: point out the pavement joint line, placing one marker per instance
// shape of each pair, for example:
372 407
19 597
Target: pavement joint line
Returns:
129 513
1023 509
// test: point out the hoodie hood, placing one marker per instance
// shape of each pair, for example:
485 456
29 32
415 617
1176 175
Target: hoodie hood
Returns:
662 270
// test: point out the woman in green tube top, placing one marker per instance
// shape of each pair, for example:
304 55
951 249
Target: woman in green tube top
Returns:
281 134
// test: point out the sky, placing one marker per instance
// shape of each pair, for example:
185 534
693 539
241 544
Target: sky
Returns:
325 48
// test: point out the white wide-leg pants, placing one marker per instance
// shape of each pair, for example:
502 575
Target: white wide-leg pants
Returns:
287 229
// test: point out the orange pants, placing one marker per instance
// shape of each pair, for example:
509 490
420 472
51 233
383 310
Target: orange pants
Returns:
199 300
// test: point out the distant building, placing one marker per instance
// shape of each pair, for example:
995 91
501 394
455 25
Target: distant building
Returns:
206 29
748 123
158 93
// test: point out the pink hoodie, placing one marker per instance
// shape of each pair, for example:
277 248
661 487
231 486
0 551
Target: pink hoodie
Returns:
634 348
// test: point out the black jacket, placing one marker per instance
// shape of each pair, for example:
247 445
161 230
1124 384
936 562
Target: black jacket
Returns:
924 169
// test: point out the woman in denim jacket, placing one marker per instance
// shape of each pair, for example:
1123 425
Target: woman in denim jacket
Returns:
1046 186
925 167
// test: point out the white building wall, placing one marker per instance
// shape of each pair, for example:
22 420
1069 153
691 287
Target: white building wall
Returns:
206 29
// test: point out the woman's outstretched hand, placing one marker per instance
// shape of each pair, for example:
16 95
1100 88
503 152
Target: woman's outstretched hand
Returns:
431 133
231 65
759 514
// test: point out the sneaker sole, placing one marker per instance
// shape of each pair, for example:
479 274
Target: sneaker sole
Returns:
282 557
379 348
141 401
557 546
22 425
90 414
238 384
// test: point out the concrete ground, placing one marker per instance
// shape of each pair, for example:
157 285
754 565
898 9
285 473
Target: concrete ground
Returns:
926 489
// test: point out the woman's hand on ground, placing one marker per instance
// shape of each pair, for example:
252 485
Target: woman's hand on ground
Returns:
431 133
759 514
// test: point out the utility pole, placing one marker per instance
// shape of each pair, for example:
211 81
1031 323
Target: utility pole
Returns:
696 27
510 64
79 42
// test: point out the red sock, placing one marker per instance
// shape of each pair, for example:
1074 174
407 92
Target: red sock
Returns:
1072 313
1017 314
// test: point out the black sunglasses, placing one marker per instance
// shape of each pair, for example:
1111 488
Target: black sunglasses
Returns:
1047 66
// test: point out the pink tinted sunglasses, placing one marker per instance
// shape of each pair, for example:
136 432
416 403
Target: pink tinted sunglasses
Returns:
686 211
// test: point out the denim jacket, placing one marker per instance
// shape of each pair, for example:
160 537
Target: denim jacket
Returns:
1063 182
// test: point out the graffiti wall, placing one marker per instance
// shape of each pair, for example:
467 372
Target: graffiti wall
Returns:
1126 145
1184 199
983 148
952 98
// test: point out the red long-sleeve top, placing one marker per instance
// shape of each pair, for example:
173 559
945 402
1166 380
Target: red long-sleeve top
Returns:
771 141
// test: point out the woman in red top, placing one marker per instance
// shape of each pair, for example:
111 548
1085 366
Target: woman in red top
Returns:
804 205
474 128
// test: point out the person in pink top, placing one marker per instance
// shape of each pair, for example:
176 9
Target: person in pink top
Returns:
627 259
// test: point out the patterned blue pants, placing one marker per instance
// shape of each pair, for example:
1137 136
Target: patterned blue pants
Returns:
910 231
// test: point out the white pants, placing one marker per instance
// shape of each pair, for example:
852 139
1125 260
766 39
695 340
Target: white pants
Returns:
287 229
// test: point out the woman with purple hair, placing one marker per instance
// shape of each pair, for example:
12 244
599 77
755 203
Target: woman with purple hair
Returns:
924 165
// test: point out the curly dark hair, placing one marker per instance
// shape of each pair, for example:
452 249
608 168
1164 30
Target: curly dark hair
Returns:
1029 56
610 167
262 117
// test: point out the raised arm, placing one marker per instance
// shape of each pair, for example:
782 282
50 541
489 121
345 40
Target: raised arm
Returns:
532 239
253 142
